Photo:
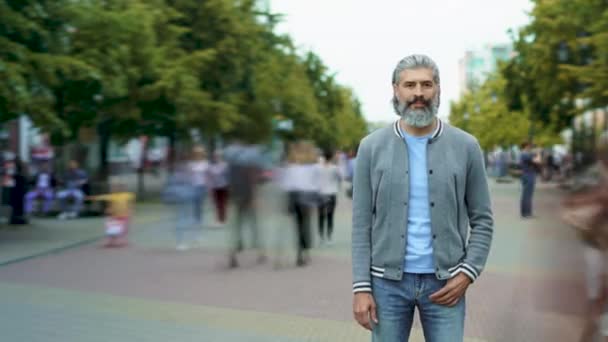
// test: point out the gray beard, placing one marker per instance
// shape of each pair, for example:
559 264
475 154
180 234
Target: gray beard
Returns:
418 117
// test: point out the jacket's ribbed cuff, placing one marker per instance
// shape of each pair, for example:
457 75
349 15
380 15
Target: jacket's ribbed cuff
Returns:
467 269
362 286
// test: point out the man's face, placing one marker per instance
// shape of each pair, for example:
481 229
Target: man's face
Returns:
73 165
418 97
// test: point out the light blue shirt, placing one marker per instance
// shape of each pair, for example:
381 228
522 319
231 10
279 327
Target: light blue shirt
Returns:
419 245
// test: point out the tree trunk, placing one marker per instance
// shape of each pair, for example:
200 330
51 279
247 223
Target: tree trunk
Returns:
141 170
172 153
103 175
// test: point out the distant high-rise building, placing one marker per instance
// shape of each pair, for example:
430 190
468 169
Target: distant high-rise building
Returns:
475 66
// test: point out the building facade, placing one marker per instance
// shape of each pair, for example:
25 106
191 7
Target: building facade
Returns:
477 64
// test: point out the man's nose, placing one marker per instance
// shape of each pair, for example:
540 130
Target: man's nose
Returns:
418 90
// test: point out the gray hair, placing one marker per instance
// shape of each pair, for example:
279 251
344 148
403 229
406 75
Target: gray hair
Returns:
415 62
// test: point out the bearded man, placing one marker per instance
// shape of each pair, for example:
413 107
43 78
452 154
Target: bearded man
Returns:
422 217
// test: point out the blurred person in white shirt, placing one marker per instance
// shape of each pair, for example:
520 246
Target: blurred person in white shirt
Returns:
301 184
329 179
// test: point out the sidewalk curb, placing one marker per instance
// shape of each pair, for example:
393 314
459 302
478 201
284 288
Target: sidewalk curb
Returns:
64 248
52 251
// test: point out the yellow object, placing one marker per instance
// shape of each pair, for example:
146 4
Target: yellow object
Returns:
120 203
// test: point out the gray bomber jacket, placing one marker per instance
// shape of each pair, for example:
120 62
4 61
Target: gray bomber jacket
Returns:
459 199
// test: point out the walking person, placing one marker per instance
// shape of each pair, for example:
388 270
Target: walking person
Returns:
530 163
199 171
179 193
329 179
418 186
244 173
587 212
302 187
218 182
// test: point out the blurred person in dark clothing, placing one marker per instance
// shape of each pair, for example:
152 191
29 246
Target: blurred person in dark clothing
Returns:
587 211
17 194
245 165
74 180
529 163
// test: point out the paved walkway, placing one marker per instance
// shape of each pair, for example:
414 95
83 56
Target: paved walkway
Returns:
51 235
530 291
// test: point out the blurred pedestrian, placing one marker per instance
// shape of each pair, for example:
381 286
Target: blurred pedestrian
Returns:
17 194
218 182
329 183
179 193
350 171
118 214
530 164
303 194
199 169
587 211
245 166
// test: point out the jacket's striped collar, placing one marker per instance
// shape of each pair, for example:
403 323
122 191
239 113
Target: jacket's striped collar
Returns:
436 134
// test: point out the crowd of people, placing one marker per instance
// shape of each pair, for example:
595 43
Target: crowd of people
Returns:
44 191
553 164
309 180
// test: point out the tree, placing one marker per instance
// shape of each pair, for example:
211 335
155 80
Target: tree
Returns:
561 58
164 67
39 75
485 114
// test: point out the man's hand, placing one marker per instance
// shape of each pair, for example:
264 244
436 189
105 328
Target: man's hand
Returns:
364 309
451 293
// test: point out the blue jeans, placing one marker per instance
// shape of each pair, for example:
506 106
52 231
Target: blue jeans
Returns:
395 304
200 194
528 182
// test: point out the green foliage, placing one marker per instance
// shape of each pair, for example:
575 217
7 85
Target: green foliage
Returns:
562 56
485 114
163 67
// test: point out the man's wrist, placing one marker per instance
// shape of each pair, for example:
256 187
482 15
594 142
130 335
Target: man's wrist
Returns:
466 277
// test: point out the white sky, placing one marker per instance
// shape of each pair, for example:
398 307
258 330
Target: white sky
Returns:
362 41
